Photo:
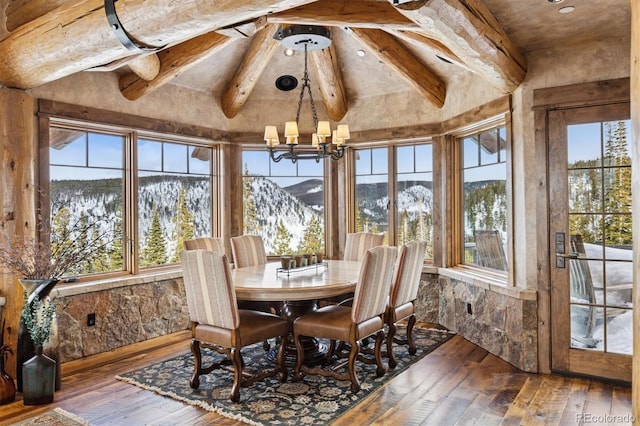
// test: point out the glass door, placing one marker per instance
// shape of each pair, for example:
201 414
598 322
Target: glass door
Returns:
591 241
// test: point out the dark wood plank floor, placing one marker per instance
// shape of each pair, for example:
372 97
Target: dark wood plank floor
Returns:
458 383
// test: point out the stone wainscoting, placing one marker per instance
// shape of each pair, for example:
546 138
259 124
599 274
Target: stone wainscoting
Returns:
126 312
502 320
428 302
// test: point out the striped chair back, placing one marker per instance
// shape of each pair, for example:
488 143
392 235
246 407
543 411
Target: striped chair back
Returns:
406 274
248 250
214 244
374 282
211 297
358 243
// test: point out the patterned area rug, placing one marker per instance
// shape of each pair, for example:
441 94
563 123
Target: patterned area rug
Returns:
55 417
315 400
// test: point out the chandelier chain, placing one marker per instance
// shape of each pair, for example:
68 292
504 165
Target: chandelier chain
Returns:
306 85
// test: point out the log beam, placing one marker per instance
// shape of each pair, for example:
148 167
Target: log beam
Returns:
471 32
76 36
396 56
330 82
255 60
19 12
437 47
146 67
173 61
339 13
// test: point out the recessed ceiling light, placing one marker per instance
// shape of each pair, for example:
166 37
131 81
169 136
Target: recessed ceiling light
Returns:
566 9
555 1
361 53
289 52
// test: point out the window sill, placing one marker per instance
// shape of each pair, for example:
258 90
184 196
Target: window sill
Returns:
73 289
489 281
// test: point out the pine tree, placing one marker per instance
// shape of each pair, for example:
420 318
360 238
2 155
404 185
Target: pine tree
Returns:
359 225
403 227
283 239
116 252
250 222
183 224
313 238
617 186
155 250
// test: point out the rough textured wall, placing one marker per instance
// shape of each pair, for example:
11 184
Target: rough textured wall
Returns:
124 315
100 90
503 325
408 108
428 302
598 60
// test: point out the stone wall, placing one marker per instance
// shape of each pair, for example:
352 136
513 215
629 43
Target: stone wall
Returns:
124 315
427 305
503 324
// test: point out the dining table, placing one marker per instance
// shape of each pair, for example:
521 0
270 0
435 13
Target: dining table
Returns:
295 292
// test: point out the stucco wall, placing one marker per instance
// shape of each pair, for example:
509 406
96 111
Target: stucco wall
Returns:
594 61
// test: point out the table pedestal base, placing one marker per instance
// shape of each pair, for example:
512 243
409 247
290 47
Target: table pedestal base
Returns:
314 351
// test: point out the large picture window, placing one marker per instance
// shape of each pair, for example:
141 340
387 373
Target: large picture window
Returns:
152 206
284 203
397 202
484 179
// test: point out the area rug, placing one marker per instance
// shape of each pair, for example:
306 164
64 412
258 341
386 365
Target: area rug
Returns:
55 417
315 400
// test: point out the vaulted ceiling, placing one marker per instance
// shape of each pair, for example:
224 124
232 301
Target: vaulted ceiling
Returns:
226 48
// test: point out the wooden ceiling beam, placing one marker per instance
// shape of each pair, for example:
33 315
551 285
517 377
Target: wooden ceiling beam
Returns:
472 33
437 47
396 56
330 82
340 13
173 61
76 36
255 60
19 12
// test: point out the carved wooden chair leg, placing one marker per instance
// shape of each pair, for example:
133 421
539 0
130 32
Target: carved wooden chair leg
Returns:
283 376
197 364
412 343
353 376
380 370
390 335
236 360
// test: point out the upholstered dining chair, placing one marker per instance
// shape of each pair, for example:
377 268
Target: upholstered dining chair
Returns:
214 244
403 295
218 324
351 324
248 250
356 244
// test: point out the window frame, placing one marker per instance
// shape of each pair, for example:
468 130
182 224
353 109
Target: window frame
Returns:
130 134
457 212
392 184
327 197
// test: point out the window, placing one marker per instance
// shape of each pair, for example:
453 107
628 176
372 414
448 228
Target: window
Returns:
372 190
484 204
414 195
398 203
174 199
89 182
284 203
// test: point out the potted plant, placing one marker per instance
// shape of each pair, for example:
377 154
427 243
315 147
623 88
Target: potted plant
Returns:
41 263
39 372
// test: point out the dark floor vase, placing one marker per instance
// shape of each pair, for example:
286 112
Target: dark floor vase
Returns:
38 379
7 386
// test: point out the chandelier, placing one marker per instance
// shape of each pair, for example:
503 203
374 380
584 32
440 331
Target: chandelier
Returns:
327 143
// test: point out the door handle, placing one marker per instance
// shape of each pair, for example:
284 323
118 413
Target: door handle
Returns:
568 255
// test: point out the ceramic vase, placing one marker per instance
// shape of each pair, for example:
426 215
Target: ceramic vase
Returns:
38 379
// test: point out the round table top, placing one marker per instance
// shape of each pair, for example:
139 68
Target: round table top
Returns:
265 283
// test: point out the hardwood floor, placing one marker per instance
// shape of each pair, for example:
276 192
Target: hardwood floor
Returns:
458 383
